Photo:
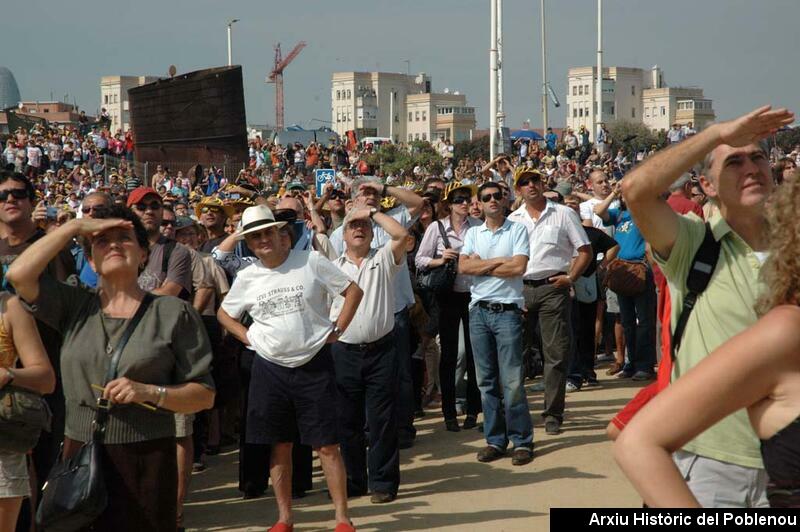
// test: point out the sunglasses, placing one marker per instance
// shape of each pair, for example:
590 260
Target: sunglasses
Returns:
337 195
458 200
16 193
497 196
167 223
206 210
153 206
93 209
525 181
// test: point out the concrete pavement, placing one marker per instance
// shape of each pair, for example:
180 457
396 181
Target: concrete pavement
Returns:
443 487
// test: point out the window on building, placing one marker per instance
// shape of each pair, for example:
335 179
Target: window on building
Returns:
424 116
416 136
580 112
105 98
46 110
574 90
633 90
633 112
424 136
338 95
586 89
580 90
410 137
585 111
410 116
663 111
574 112
612 110
348 94
416 116
647 112
349 116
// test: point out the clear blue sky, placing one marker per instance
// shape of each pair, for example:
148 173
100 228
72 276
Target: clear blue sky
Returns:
742 52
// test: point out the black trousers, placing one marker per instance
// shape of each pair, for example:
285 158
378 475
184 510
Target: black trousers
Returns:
366 379
454 309
254 458
581 365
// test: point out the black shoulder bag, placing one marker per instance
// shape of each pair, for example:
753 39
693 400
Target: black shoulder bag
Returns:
700 272
440 279
75 494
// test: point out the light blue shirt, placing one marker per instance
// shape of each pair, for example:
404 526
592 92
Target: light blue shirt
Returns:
508 241
403 291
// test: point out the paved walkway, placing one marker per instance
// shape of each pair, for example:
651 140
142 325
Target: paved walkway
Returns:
443 487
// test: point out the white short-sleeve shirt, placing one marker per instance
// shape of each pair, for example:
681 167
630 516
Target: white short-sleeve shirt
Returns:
289 305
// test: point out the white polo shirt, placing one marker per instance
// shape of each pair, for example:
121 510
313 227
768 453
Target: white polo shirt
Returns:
554 239
374 318
289 306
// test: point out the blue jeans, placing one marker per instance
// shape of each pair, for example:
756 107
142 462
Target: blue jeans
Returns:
638 316
497 348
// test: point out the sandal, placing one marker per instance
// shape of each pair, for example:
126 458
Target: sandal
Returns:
615 368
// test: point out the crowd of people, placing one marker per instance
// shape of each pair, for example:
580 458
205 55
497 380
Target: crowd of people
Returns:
286 321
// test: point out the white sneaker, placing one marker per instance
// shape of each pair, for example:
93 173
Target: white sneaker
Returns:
571 387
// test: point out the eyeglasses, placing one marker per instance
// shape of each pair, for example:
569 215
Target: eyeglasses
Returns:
93 209
167 223
458 200
206 210
16 193
486 198
153 206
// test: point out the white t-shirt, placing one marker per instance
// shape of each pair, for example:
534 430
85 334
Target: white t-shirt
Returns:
587 213
289 306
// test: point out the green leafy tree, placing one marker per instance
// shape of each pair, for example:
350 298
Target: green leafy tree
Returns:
473 149
394 160
633 136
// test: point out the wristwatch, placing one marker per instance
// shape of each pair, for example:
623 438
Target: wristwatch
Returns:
337 331
372 211
11 376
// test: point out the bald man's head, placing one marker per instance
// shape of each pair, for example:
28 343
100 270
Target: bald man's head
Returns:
601 188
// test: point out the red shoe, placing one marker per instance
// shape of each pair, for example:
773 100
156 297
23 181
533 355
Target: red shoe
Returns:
281 527
344 527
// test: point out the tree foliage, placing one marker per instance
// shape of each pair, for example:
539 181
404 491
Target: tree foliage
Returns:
788 139
395 160
633 136
473 149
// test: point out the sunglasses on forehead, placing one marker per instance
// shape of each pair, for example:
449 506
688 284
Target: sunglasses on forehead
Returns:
16 193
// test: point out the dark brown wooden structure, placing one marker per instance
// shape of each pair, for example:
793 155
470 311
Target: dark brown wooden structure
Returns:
189 119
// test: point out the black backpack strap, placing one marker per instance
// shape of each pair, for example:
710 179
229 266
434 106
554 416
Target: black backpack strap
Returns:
444 234
101 416
169 247
700 272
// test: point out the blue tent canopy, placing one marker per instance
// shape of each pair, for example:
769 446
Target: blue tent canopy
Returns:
526 134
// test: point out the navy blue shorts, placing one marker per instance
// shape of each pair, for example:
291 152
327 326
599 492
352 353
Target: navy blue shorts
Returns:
285 403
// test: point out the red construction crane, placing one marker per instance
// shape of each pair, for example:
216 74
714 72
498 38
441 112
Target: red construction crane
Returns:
276 77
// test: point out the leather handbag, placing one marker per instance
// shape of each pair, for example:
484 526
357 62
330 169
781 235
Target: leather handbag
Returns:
23 416
75 493
441 278
626 277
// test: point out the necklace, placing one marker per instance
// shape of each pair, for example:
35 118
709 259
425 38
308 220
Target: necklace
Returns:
110 342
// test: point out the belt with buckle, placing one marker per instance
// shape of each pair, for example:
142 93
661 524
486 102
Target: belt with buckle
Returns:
497 307
368 346
541 282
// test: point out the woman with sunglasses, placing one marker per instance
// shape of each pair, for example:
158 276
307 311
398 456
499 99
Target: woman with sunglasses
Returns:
453 303
164 368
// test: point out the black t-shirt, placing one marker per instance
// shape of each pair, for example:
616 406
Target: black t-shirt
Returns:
601 243
209 246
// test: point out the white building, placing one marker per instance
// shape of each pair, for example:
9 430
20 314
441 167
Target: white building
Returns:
633 94
397 106
114 98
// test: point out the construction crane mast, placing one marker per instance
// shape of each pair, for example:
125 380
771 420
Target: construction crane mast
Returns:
276 77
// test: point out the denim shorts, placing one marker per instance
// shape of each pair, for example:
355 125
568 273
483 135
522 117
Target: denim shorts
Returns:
287 403
13 476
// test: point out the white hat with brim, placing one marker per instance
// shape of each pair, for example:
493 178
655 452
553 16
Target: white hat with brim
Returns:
255 219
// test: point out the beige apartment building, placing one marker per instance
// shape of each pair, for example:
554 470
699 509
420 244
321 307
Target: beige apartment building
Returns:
636 95
114 97
397 106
